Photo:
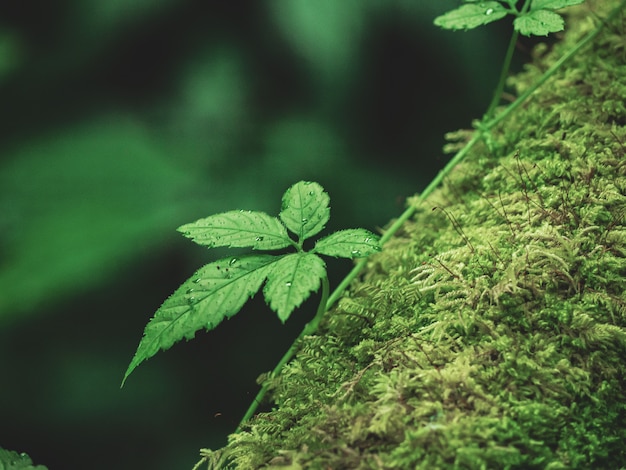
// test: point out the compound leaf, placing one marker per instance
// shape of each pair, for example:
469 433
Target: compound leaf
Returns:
472 15
351 243
539 23
238 229
292 280
553 4
305 209
216 291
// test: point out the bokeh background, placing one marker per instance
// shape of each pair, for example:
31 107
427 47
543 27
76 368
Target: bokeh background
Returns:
123 119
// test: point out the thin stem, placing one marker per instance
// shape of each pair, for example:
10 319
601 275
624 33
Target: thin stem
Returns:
495 100
309 328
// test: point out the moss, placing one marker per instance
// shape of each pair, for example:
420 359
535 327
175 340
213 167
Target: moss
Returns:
491 331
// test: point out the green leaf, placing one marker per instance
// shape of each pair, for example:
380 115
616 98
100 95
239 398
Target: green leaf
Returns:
214 292
305 209
238 229
470 16
351 243
539 23
291 281
553 4
11 460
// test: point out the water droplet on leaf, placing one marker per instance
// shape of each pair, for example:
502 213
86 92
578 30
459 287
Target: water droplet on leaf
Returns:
288 284
356 253
304 221
196 281
259 239
489 11
189 291
233 261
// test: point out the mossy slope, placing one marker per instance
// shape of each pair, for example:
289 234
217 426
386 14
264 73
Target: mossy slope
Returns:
490 332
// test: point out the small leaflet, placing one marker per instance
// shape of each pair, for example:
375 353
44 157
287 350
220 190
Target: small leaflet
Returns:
351 243
554 4
305 209
240 229
471 16
539 23
216 291
291 281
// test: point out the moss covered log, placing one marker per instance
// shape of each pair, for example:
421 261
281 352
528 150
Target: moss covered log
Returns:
490 332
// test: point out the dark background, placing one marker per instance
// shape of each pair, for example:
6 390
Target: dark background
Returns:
122 120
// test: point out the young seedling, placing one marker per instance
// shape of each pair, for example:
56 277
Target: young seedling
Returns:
535 17
219 289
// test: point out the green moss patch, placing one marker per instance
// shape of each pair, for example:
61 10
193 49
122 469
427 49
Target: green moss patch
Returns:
490 332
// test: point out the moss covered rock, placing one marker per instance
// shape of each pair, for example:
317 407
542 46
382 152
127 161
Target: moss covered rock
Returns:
490 332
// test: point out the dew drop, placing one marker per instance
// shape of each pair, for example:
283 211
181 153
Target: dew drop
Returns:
305 220
191 299
356 253
288 284
197 280
189 291
233 261
259 239
489 11
367 240
311 193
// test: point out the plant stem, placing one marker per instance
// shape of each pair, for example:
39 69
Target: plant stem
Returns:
328 301
548 73
495 100
309 328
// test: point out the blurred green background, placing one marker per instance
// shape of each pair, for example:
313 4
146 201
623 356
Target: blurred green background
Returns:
122 120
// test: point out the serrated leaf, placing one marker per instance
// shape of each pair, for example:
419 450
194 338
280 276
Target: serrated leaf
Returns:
214 292
539 23
470 16
238 229
351 243
553 4
291 281
305 209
